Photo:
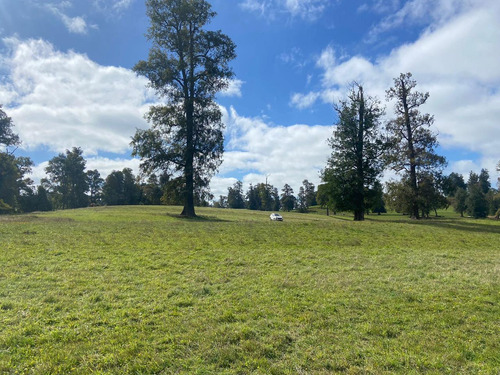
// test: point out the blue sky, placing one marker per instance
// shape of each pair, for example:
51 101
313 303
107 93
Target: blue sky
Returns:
66 79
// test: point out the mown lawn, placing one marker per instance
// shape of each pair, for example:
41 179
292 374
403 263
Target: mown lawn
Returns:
138 290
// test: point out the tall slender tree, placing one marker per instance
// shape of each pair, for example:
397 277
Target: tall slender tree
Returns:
235 197
357 147
412 141
288 200
187 66
96 183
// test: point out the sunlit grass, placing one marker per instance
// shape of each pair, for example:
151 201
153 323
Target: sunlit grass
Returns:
140 290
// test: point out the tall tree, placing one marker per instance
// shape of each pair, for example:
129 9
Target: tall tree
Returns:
484 181
252 198
476 202
9 176
412 141
13 182
67 178
452 183
287 198
460 201
7 136
235 197
357 147
95 186
187 66
306 196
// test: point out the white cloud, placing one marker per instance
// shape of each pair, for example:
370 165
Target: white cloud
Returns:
234 88
306 9
302 101
76 25
114 6
63 99
456 61
288 154
421 12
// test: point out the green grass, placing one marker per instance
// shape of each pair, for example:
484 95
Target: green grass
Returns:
138 290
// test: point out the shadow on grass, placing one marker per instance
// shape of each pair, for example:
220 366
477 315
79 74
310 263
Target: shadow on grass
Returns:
199 218
481 226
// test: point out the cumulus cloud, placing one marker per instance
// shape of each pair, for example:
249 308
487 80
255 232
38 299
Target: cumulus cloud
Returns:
234 88
63 99
456 61
256 149
419 12
302 101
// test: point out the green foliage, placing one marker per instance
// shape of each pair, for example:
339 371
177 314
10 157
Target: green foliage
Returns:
151 191
452 183
7 136
357 148
460 201
120 188
430 196
477 205
399 196
306 196
13 170
493 199
96 184
187 66
138 290
5 208
235 197
288 200
68 180
476 202
9 175
413 145
375 199
263 197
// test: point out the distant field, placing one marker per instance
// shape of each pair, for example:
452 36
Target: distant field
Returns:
138 290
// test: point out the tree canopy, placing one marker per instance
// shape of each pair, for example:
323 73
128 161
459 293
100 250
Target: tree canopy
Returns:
413 144
67 179
187 66
357 148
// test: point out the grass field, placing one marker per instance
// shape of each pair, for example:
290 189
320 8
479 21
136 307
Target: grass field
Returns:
138 290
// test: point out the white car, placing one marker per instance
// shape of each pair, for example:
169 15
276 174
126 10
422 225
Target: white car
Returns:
276 217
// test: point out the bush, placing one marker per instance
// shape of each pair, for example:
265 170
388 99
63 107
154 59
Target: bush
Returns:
5 208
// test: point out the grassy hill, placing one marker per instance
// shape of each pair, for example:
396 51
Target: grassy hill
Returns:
138 290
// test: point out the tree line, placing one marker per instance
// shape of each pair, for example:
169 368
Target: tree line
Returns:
266 197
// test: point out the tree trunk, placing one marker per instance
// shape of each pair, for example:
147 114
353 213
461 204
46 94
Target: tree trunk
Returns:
359 215
188 210
413 168
359 212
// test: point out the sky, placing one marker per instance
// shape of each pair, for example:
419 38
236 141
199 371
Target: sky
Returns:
66 79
